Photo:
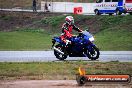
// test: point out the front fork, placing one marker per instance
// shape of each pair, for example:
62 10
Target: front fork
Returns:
53 43
90 49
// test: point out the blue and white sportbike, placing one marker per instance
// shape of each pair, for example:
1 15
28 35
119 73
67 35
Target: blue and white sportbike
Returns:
80 46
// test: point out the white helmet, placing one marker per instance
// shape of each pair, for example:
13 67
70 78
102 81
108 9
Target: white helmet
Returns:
69 20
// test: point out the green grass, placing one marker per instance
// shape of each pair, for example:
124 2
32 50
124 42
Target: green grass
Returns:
53 21
105 22
112 39
114 33
116 22
60 70
24 40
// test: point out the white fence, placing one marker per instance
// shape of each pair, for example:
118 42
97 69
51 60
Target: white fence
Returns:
68 7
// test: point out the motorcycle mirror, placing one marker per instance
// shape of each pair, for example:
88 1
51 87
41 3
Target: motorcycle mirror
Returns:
86 28
53 43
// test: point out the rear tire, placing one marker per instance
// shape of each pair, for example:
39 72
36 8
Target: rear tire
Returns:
58 55
97 12
118 12
81 80
110 14
93 55
130 13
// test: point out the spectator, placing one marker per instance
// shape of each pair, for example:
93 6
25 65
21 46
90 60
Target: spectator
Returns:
34 6
46 7
49 8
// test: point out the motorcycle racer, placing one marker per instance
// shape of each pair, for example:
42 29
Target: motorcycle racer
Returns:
67 28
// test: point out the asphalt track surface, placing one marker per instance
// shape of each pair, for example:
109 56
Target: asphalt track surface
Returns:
48 56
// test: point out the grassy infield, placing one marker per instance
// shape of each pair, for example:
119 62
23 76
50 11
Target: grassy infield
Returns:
60 70
115 34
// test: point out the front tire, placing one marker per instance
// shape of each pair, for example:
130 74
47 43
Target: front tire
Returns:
58 55
130 13
81 80
94 54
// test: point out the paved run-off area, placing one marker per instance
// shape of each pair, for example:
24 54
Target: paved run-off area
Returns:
58 84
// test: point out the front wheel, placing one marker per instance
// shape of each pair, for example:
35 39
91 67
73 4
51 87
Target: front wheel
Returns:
93 54
130 13
59 55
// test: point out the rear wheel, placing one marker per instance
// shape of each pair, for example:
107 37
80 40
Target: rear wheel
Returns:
59 55
81 80
97 12
110 14
118 12
93 54
130 13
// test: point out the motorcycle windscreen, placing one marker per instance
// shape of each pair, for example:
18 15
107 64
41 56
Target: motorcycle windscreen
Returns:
87 34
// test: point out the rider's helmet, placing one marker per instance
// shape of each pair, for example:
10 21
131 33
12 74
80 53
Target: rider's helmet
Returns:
69 20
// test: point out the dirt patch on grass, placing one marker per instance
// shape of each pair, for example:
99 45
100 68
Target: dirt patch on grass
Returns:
94 25
10 21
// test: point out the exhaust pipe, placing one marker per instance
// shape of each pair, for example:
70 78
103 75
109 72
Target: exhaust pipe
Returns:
57 50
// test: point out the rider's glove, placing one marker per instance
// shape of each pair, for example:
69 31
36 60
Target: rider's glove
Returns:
81 32
68 42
